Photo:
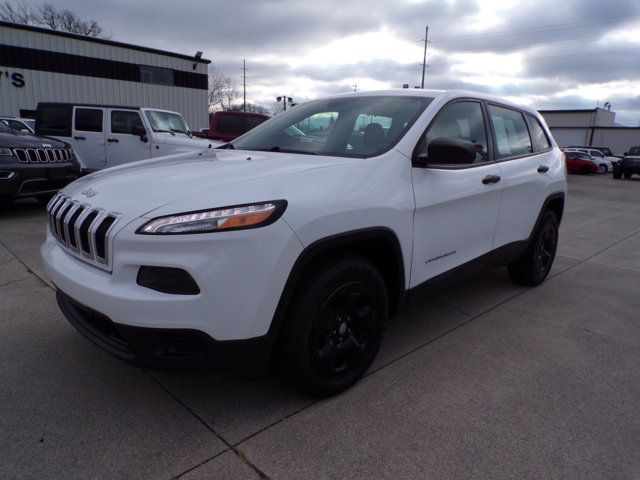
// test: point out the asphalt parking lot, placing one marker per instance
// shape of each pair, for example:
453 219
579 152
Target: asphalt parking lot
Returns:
485 380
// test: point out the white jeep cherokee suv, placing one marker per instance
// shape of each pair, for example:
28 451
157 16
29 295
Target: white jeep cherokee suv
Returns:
302 237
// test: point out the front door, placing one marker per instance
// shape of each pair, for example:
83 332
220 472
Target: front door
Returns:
89 137
456 205
124 143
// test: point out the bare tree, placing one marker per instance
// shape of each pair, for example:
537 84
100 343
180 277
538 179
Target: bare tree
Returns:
17 12
250 107
223 91
47 15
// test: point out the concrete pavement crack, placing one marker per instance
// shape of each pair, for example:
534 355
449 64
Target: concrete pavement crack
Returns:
231 447
26 266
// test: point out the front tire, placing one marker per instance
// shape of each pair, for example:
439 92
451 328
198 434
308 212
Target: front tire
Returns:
617 171
602 168
335 325
534 265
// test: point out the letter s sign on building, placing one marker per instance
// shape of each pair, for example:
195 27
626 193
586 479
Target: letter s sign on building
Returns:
16 78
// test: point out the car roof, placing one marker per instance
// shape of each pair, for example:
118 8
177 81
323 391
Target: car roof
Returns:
443 95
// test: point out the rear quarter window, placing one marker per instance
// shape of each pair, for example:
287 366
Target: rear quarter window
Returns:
538 135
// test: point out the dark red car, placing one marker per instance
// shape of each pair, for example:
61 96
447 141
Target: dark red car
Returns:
226 126
575 164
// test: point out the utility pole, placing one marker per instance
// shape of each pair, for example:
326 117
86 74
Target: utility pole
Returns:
424 60
244 85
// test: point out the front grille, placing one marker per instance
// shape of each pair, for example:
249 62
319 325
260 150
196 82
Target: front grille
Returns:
81 229
42 155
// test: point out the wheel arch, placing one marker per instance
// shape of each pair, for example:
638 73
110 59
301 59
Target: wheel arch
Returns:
379 245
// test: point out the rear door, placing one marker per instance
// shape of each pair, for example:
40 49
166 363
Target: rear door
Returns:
124 144
88 134
524 154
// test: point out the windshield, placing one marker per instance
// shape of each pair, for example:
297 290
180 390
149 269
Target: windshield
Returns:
634 151
4 127
166 121
358 127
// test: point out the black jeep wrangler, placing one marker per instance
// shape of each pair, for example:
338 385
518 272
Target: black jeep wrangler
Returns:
629 165
33 166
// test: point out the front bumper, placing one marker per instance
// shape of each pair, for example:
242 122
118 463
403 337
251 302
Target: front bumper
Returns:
174 349
20 180
241 277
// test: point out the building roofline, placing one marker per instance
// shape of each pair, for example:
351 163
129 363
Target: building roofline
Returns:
598 128
103 41
584 110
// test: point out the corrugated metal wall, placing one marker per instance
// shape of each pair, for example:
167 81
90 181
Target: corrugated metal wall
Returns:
569 119
619 140
55 87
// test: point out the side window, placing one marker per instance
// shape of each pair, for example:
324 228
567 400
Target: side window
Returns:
253 122
462 120
230 125
512 135
88 119
124 121
538 134
54 120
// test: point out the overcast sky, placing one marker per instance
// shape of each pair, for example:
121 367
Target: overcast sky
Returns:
550 54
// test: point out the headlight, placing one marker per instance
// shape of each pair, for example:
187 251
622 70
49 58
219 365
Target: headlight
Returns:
5 151
227 218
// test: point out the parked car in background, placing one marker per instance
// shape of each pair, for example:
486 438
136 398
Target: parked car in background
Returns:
304 245
27 125
106 136
629 165
576 163
32 166
604 164
606 151
227 126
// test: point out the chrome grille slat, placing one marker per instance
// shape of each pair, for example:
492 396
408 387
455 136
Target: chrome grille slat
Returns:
42 155
82 230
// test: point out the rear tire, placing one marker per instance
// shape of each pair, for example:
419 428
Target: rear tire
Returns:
334 327
534 265
602 168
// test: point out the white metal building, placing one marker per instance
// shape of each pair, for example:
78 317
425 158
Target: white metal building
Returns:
596 127
42 65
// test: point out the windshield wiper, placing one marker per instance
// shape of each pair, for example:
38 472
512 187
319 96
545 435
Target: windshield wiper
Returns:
179 131
165 131
290 150
226 146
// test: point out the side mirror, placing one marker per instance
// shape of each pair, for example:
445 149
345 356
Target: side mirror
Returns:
140 132
447 151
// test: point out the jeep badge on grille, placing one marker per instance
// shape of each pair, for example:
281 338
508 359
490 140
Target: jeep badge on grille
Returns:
89 192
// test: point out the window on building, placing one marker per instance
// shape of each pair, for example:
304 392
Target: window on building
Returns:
88 119
156 75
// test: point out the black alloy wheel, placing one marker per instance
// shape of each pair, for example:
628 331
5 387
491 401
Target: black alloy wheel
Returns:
343 330
334 326
545 249
534 265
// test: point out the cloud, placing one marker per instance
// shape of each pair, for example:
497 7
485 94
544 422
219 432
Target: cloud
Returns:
545 52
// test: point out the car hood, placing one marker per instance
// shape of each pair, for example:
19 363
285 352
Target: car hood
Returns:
182 140
190 181
26 140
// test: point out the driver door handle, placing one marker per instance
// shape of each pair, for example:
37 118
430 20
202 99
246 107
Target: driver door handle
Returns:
110 140
78 137
491 179
543 169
